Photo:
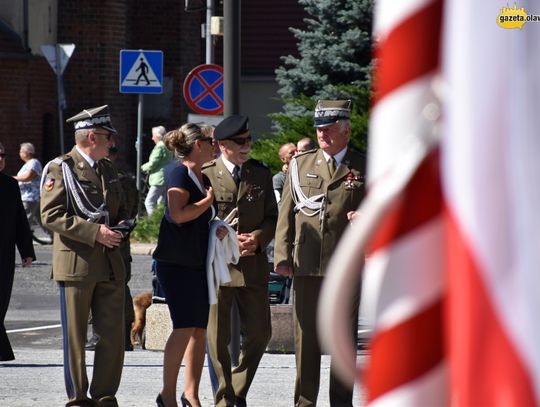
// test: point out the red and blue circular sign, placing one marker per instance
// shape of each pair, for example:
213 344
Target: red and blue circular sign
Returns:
203 89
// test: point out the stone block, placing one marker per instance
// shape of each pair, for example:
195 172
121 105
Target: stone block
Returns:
282 340
158 327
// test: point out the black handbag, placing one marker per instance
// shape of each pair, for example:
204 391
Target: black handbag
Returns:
178 244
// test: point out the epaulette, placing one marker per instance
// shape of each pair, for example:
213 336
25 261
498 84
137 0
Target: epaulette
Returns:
313 150
209 164
59 160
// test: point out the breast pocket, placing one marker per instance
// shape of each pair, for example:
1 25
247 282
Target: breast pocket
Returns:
311 186
225 203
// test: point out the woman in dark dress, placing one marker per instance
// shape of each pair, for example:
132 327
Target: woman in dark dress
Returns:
181 261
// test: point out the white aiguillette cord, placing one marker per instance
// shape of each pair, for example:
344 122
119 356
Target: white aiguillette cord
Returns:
315 203
73 195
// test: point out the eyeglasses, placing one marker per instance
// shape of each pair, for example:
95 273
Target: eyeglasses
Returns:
241 141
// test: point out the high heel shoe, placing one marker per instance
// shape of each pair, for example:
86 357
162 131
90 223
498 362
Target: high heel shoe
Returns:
185 401
159 401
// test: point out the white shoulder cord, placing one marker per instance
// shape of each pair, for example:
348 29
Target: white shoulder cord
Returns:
73 191
314 203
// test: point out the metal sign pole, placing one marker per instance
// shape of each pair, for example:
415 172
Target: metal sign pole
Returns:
60 104
138 147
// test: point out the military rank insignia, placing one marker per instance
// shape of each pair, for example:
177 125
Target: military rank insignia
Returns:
49 184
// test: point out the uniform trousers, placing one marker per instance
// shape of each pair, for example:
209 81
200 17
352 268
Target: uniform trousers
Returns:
256 330
306 292
106 301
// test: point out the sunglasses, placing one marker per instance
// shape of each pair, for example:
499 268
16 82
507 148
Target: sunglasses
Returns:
241 141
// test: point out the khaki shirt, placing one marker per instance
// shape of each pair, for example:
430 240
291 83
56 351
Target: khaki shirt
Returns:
302 241
76 254
257 213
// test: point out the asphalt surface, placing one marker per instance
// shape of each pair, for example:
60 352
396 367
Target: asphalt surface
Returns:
35 377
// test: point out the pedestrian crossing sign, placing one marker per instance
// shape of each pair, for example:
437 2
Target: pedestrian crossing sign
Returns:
141 71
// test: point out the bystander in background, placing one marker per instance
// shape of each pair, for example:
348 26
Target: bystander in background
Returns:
29 177
159 158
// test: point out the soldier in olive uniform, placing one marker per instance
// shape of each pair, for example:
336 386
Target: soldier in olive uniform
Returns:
81 199
243 190
323 189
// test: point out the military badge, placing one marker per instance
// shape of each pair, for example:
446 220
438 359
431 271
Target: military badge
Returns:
353 181
49 184
254 192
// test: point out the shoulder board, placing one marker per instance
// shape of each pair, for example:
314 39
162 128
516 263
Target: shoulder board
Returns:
209 164
307 152
61 159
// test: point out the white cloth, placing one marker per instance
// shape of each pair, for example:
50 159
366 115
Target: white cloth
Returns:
220 254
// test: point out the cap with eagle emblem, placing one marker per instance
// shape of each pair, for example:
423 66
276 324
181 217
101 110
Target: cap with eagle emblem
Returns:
92 118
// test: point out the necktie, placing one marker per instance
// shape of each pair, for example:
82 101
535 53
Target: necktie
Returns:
94 166
332 166
236 175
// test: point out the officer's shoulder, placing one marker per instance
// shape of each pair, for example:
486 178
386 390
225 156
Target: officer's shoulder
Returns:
209 164
257 164
65 158
305 155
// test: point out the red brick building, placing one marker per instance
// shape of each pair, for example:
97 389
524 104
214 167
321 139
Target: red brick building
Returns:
100 29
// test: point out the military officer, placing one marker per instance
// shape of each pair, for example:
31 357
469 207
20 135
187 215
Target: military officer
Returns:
323 189
244 195
81 200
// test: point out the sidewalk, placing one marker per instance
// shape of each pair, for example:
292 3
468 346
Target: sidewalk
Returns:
142 248
35 378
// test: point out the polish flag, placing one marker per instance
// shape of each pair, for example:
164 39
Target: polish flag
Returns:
450 224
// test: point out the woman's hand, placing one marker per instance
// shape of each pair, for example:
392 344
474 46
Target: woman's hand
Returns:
209 195
221 232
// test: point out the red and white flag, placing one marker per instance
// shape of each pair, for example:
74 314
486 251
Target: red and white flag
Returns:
449 224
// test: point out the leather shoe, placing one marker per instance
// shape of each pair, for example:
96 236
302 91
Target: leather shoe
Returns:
240 402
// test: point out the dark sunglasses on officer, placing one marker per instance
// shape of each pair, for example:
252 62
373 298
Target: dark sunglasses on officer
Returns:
241 140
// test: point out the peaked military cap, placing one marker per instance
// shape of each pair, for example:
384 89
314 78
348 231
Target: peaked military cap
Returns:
328 112
231 126
92 118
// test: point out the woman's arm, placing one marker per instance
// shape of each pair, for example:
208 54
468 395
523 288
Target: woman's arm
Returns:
182 212
26 176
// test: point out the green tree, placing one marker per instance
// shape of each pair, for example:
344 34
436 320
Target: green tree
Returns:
334 63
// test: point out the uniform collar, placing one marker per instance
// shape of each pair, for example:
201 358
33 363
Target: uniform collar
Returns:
229 165
338 157
88 159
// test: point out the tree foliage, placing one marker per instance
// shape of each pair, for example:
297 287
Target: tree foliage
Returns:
334 63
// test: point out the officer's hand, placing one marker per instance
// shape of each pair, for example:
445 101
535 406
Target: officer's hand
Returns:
107 237
221 232
248 244
351 215
285 271
27 262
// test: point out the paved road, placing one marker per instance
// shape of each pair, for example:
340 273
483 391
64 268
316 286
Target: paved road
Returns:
35 378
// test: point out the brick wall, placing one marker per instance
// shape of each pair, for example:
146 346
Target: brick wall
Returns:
27 108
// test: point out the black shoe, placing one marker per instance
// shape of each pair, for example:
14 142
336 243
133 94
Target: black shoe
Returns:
240 402
185 401
91 343
159 401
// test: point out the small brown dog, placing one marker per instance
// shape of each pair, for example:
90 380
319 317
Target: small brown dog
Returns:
140 303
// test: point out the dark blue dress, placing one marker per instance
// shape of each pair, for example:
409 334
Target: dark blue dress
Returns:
186 287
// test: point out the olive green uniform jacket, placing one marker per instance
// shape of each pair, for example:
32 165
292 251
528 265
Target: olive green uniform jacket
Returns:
257 213
76 254
302 241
